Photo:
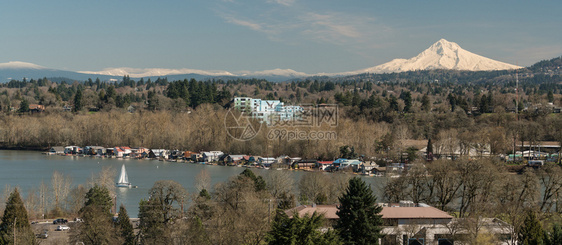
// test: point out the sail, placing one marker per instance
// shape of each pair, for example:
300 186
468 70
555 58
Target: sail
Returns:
123 178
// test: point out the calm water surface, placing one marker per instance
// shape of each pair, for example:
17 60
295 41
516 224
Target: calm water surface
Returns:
27 169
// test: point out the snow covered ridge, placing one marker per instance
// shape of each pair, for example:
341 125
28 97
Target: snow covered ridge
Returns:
154 72
441 55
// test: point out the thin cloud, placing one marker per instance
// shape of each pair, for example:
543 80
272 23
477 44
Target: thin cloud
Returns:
284 2
330 27
297 23
252 25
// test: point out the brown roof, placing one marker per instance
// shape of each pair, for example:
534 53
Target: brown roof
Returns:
329 212
414 213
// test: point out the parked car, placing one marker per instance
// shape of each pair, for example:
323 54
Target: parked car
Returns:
60 221
62 228
43 234
78 220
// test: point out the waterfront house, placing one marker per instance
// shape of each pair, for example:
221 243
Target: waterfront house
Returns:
379 171
110 152
236 159
126 151
119 153
101 152
140 152
287 160
157 153
212 156
350 163
176 154
190 155
266 161
68 149
73 150
367 167
305 164
249 159
336 164
59 150
92 150
324 165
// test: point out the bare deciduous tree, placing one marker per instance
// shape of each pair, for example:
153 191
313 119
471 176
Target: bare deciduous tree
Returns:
60 185
202 181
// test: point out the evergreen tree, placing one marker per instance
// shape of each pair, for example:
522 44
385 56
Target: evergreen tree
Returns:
532 232
15 220
197 233
77 101
407 97
426 104
97 227
299 230
125 227
98 196
259 182
153 101
555 236
24 106
152 224
550 96
429 148
359 220
347 152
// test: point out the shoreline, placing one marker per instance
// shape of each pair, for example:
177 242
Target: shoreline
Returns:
23 148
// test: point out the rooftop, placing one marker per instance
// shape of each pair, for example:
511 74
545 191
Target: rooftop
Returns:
329 211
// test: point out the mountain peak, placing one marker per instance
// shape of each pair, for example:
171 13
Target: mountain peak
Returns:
442 45
442 55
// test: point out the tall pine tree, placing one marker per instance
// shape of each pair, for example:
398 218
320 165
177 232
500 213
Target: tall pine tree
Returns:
97 227
300 230
532 232
359 222
124 227
77 101
15 220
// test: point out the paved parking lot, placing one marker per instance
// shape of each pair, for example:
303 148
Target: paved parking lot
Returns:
55 237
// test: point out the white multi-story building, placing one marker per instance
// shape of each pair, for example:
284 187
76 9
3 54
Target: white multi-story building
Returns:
267 111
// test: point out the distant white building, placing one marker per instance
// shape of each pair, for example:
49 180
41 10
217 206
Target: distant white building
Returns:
267 111
211 156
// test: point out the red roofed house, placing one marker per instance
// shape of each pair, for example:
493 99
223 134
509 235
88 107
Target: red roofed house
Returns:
323 165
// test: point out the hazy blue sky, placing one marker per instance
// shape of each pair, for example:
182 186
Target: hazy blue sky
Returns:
310 36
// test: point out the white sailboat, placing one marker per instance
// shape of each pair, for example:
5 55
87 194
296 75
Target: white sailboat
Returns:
123 179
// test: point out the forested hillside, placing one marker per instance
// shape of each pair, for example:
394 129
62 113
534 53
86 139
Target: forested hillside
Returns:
469 107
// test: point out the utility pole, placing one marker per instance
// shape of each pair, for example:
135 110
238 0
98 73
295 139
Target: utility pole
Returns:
269 209
15 219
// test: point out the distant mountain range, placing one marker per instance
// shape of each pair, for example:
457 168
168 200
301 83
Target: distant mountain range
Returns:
441 55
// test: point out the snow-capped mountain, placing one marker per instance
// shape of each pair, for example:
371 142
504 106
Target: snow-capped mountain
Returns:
441 55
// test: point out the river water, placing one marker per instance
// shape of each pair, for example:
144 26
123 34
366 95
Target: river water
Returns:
27 169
